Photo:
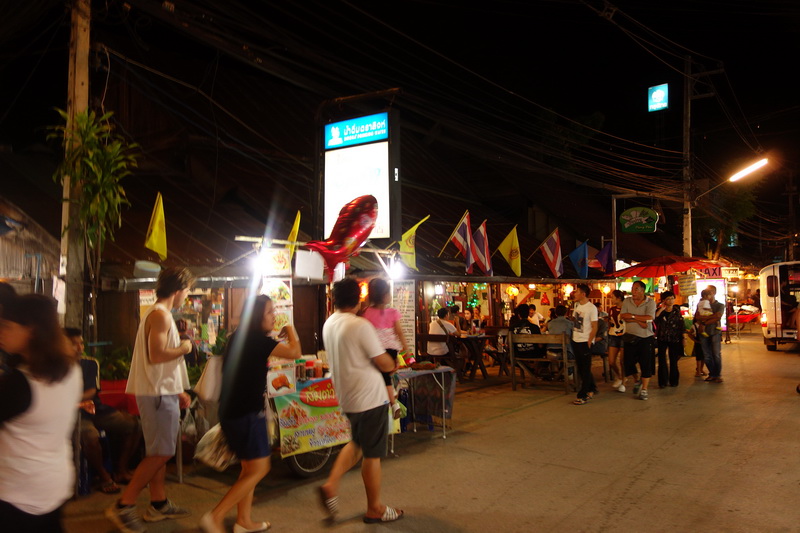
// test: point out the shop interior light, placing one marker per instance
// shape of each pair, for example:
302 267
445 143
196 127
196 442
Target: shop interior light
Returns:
532 286
438 290
606 289
397 270
512 291
364 290
568 288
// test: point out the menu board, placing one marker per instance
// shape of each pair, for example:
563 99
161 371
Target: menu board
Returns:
403 300
280 291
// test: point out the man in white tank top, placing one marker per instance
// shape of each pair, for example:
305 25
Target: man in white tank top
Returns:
158 379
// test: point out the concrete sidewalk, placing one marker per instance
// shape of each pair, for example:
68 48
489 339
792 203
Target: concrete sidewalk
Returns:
698 457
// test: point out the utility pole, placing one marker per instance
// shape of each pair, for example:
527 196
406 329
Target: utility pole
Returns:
688 87
72 240
791 192
689 80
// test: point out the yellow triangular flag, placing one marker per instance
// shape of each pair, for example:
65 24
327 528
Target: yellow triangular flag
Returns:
407 244
293 234
509 249
157 231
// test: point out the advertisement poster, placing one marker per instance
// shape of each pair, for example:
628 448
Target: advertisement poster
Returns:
310 418
403 301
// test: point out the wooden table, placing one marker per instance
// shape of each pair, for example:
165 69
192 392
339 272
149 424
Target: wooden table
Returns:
474 345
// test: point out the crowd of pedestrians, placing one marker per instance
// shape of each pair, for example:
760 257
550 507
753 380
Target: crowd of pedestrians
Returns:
48 381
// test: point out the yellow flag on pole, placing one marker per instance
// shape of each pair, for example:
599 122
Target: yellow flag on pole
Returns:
293 234
156 239
407 245
509 249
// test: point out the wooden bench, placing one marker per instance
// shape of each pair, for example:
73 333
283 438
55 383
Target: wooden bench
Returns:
517 361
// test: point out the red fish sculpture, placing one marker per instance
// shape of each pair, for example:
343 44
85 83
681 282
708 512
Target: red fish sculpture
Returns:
351 231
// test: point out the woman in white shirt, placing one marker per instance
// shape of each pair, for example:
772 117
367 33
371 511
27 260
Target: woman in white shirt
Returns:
38 407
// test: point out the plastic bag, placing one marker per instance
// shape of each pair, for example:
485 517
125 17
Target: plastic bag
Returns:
213 450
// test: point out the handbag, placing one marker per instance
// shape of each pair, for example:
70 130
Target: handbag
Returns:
209 385
213 450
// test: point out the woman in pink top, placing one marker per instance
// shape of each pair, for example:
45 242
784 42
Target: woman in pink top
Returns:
387 323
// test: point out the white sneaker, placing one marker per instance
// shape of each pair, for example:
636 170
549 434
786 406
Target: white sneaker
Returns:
617 383
621 388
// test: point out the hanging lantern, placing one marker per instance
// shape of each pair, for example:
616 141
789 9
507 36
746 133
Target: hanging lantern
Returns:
512 291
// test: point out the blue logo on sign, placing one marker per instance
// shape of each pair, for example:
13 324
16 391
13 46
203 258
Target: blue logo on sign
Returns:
658 97
358 130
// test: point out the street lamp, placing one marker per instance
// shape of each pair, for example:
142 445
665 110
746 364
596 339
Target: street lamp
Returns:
736 177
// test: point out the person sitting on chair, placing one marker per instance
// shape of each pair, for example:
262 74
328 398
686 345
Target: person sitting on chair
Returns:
440 326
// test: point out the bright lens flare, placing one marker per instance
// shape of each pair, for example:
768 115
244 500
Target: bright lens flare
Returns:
752 168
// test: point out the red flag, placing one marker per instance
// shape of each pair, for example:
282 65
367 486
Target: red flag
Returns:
480 249
551 249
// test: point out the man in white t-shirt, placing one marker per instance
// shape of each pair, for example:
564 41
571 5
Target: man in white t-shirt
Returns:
584 316
357 358
440 326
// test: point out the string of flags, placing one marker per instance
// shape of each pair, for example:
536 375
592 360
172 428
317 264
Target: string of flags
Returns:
474 247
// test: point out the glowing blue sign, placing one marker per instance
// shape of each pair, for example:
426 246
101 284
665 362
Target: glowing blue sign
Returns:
658 97
358 130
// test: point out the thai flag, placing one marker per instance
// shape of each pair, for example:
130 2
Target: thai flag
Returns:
462 238
551 248
480 248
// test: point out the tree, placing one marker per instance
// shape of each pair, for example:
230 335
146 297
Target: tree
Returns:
727 210
96 159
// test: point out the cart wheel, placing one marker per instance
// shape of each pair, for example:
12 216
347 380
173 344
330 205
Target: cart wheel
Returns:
310 463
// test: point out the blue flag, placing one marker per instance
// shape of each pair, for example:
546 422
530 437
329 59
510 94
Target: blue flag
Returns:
580 258
604 257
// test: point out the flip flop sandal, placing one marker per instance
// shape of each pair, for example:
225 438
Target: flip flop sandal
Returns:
330 505
110 488
581 401
389 515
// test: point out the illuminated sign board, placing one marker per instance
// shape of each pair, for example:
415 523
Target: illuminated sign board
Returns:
358 130
357 162
658 97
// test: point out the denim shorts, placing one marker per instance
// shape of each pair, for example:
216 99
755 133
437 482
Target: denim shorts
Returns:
247 435
161 416
615 341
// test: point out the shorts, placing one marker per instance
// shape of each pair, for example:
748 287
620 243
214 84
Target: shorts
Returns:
369 430
247 435
161 418
615 341
387 376
639 352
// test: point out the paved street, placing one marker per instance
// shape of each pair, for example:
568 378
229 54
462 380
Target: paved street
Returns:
699 457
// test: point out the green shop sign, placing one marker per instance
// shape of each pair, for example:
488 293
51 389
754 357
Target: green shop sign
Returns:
638 220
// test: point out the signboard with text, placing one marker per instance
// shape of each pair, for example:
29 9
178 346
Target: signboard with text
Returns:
658 97
638 220
361 158
310 418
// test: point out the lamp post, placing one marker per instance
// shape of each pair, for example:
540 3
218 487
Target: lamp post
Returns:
736 177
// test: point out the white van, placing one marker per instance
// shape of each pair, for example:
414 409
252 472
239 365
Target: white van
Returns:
780 293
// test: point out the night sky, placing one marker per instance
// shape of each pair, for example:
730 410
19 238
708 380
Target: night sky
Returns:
557 55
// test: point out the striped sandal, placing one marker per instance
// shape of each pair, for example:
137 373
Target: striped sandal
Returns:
389 515
330 505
